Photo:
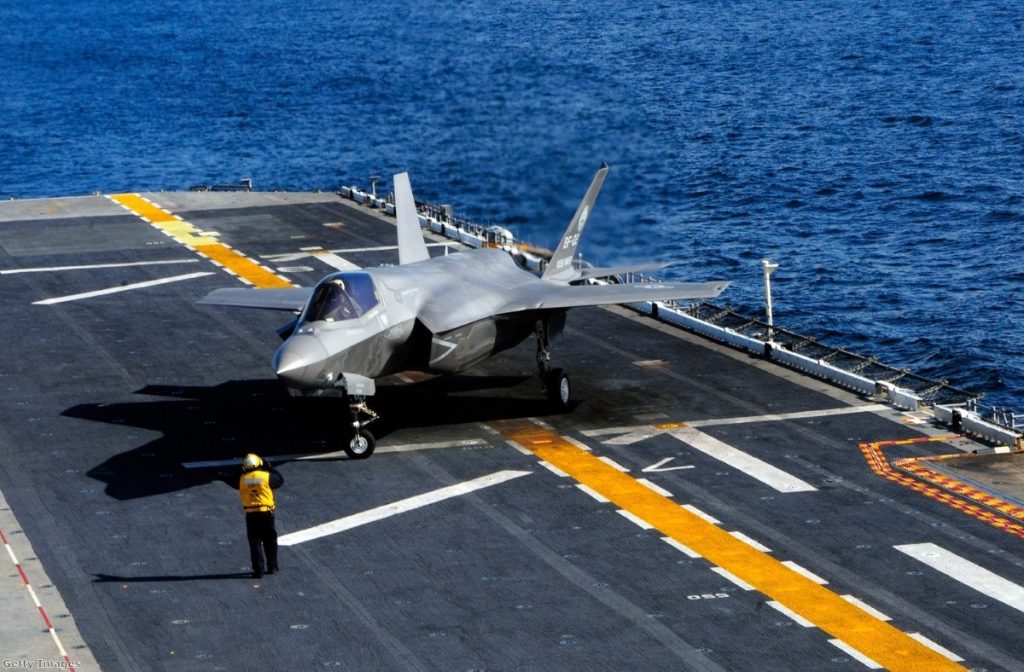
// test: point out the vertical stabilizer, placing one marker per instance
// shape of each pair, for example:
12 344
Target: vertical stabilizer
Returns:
411 247
560 269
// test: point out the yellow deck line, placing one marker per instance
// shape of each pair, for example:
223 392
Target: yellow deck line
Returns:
201 241
881 642
242 266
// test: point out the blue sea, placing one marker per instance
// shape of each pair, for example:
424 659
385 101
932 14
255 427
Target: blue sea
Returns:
875 150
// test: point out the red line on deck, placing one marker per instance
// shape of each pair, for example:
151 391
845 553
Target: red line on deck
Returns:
42 611
952 493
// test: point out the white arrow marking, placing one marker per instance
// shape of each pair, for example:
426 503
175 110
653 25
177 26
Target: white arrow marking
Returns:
657 466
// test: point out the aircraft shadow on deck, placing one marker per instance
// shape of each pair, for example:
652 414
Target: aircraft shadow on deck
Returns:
225 421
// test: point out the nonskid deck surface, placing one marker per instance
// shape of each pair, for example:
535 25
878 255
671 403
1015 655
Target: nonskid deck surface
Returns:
696 508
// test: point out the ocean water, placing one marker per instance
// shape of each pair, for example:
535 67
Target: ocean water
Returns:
875 150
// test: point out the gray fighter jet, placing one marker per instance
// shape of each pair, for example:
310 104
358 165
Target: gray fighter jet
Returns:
438 315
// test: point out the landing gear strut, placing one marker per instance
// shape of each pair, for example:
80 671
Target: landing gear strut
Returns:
362 443
553 382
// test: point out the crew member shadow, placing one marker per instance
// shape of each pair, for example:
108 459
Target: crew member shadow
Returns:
204 425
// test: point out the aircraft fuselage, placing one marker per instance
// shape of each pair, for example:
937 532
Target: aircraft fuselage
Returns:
404 330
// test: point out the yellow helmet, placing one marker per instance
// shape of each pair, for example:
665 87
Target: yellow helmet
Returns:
251 461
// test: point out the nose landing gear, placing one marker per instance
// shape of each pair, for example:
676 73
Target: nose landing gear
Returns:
356 389
362 443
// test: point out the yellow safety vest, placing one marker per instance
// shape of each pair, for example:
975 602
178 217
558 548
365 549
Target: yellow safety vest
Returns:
255 491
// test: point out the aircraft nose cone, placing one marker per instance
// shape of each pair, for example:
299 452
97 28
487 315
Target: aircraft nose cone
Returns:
299 360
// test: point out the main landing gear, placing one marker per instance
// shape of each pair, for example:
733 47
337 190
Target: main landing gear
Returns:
553 382
362 443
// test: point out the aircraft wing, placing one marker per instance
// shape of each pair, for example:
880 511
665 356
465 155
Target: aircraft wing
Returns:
289 298
545 295
597 272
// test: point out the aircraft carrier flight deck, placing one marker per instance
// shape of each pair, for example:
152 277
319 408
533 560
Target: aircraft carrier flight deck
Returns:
697 507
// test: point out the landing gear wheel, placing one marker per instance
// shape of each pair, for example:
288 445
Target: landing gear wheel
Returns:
558 389
361 445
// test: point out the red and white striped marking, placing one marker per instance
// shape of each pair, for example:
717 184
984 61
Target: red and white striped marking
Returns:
35 599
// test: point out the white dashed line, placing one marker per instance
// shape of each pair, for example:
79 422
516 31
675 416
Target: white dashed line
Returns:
732 577
706 516
855 654
681 547
797 618
613 464
642 524
805 572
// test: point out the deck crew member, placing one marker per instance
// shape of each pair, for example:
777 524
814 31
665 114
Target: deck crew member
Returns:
256 487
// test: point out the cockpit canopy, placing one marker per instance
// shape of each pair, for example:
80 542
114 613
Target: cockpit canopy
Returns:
342 296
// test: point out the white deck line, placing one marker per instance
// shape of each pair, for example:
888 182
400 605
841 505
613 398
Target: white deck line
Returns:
335 454
604 431
855 654
748 464
937 648
385 248
632 433
681 547
751 542
654 486
866 607
89 267
631 437
593 493
334 261
805 572
386 511
639 522
577 443
797 618
725 574
706 516
522 450
430 445
613 464
780 417
119 288
553 469
966 572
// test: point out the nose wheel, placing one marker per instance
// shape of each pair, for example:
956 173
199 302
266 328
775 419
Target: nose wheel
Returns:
362 443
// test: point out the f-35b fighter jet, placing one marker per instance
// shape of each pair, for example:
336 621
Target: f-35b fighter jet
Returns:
438 315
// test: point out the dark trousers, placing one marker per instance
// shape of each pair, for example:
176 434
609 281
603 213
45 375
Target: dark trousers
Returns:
259 527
